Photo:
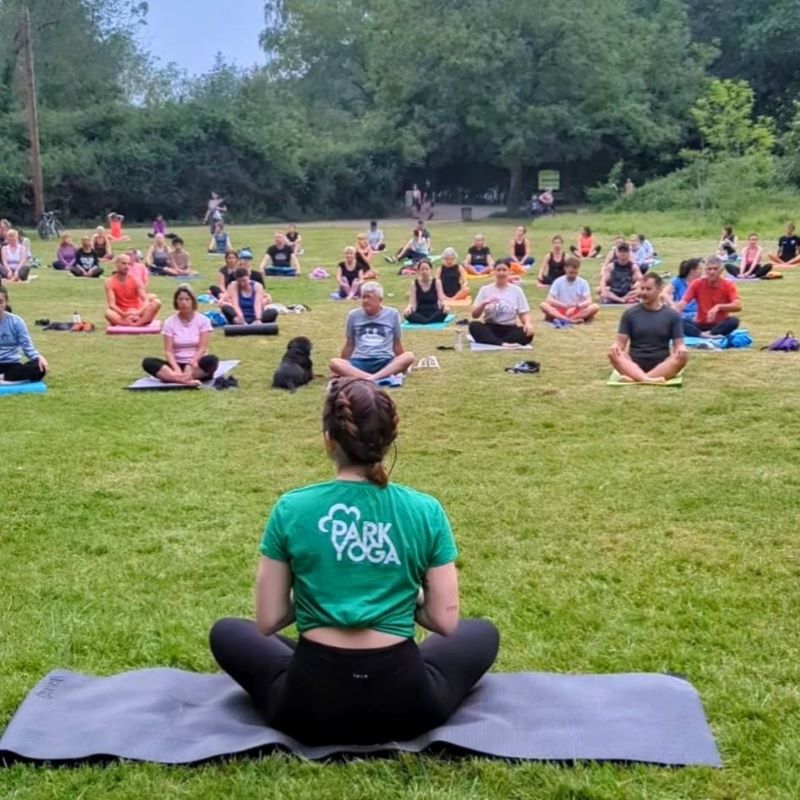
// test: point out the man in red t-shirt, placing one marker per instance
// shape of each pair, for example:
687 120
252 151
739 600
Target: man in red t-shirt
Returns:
716 298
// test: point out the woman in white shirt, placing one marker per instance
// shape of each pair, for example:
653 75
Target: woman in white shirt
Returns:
501 304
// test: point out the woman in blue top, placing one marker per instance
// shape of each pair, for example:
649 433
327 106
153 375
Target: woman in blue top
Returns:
220 242
674 290
14 337
356 561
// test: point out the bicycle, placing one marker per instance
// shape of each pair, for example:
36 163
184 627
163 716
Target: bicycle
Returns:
49 226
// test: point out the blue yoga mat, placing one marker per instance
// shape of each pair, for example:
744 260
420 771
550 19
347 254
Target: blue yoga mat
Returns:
433 326
170 716
22 388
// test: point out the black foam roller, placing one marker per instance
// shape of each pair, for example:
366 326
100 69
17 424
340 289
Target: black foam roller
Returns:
256 329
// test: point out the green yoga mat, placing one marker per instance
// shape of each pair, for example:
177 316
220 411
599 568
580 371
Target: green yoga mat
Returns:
614 380
433 326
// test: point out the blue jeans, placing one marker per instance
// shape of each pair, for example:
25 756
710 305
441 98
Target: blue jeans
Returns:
370 365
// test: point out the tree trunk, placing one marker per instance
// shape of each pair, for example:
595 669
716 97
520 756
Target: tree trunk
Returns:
514 200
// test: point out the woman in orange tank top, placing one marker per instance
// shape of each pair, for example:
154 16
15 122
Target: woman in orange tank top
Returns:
115 226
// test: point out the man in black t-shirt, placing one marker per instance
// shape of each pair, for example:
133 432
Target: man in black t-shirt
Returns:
641 352
280 258
479 259
788 247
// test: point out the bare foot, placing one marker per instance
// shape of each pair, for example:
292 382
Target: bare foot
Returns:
654 380
626 379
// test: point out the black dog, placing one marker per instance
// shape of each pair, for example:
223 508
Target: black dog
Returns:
295 368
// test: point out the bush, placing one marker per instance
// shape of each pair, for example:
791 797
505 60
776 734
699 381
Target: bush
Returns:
728 188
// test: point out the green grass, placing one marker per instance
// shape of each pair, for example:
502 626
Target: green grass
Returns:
602 530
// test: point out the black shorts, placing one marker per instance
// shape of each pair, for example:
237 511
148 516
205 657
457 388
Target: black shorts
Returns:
647 363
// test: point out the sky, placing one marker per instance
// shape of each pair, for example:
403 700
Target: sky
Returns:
191 32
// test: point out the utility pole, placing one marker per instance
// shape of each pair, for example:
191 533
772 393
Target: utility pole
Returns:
31 112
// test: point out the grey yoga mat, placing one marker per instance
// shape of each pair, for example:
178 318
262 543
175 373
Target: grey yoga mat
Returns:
174 717
154 384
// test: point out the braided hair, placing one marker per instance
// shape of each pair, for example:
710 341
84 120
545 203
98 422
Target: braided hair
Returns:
362 420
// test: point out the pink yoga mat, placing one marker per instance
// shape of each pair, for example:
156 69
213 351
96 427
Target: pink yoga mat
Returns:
132 330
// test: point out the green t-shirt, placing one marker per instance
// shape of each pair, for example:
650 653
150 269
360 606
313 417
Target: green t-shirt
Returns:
358 553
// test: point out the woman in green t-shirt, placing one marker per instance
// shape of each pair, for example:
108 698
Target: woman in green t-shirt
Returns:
355 561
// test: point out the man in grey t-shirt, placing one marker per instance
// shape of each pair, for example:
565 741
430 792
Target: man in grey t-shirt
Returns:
372 347
641 352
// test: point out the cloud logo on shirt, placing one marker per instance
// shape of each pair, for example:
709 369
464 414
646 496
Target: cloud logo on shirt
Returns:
358 540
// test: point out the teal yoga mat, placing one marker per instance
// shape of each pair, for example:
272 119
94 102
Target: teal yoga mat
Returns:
434 326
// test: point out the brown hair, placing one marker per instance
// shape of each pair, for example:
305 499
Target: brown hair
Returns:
572 261
184 289
362 421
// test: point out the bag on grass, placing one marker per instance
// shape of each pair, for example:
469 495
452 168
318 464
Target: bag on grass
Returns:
736 340
785 344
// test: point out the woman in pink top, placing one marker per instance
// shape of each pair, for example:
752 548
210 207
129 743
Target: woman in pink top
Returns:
186 337
750 265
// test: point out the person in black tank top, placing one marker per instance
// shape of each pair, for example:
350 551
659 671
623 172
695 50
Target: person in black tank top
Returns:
553 264
620 279
521 248
426 303
452 277
349 275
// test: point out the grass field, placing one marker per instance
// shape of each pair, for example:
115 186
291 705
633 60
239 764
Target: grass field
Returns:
602 529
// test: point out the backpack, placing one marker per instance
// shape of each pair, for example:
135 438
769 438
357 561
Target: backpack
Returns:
785 344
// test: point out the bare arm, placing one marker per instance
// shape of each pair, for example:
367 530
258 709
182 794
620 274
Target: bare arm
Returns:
169 353
348 349
440 295
233 297
110 300
439 609
273 596
202 348
266 260
294 261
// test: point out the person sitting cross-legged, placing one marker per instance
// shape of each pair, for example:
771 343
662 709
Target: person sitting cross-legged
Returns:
157 257
570 298
586 247
373 349
788 254
356 561
500 304
453 276
15 259
180 262
479 260
619 280
350 274
14 337
553 263
186 336
641 352
247 301
426 300
750 265
220 241
127 303
280 258
716 299
87 262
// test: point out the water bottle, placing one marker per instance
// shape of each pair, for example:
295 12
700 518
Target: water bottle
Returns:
459 346
76 318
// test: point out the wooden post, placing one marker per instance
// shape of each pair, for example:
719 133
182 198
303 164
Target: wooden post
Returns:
32 113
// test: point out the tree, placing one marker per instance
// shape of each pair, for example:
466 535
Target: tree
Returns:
724 118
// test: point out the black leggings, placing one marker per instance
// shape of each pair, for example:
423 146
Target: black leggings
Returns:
267 315
327 695
426 316
94 272
16 371
258 277
759 272
490 333
724 328
207 365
